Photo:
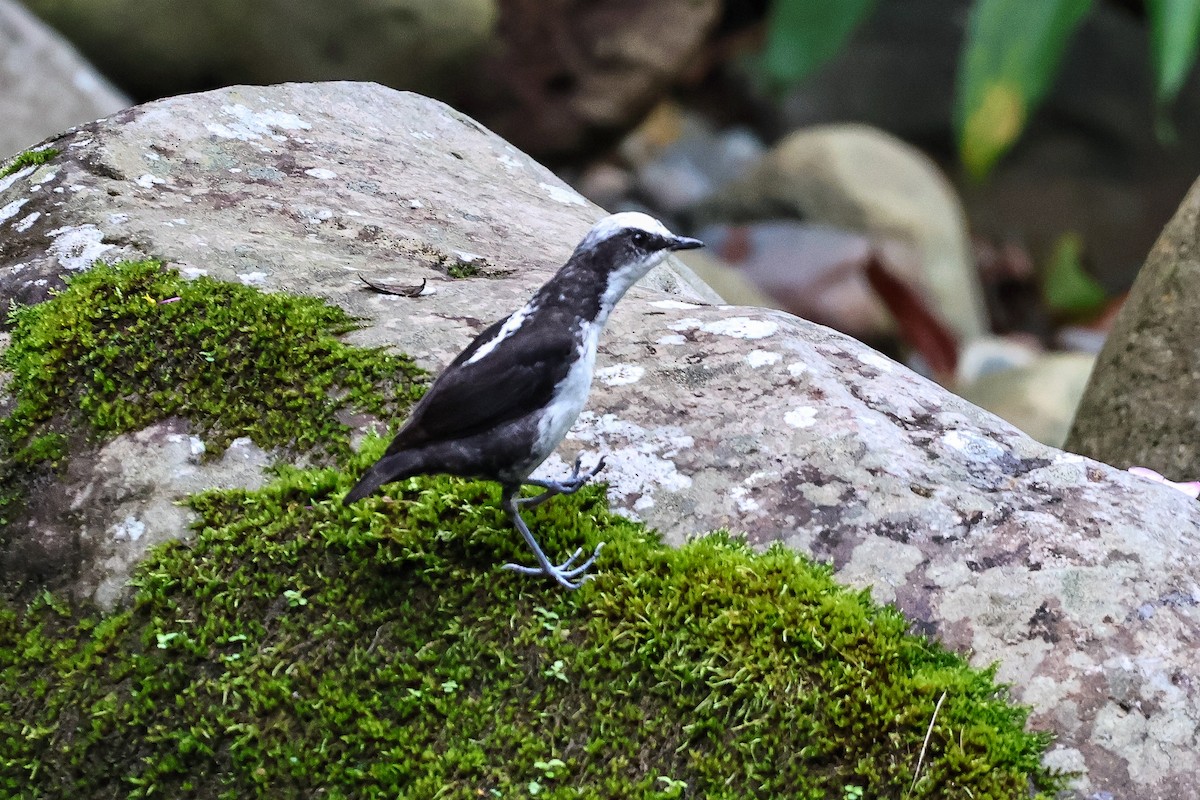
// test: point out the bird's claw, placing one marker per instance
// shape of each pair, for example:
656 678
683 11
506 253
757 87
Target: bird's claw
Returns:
569 485
564 573
577 480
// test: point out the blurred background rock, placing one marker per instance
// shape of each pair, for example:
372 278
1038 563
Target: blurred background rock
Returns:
969 185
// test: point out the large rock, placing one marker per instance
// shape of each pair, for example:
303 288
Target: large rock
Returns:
415 44
45 85
864 180
1140 405
1078 578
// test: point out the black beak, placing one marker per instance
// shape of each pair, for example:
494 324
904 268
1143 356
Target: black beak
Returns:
684 243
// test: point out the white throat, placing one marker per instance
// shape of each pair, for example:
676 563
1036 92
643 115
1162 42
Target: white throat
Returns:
620 280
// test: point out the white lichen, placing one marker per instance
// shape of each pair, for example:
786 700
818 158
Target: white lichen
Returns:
873 359
9 211
252 278
639 459
972 445
77 247
762 358
673 304
249 124
24 224
320 173
685 324
44 174
561 194
741 327
8 180
620 374
797 368
129 529
803 417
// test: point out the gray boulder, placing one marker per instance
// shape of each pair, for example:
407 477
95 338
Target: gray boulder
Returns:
1078 578
1140 406
417 44
45 85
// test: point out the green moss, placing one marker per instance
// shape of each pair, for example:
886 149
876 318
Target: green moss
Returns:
128 344
28 159
462 269
298 647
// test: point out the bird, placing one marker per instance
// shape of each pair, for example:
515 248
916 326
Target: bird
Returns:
505 403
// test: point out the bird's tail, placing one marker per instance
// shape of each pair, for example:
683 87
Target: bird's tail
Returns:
395 467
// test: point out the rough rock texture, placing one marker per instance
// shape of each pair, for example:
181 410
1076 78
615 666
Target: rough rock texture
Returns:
1140 405
862 179
129 496
294 188
415 44
1077 577
566 74
45 86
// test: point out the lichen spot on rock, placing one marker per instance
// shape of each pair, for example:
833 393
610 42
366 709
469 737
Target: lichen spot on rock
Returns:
620 374
873 359
560 194
804 417
742 327
762 358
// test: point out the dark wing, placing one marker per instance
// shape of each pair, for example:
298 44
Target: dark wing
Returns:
469 398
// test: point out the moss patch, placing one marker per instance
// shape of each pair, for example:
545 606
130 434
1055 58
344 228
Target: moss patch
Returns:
28 159
298 648
462 269
128 344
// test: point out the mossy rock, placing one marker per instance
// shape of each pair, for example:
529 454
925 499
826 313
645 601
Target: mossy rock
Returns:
299 647
128 344
29 158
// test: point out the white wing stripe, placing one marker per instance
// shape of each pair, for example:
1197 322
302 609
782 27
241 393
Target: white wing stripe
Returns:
510 326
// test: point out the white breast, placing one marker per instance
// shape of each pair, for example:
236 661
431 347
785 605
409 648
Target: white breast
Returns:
570 395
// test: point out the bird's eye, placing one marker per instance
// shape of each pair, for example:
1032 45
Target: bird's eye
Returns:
639 239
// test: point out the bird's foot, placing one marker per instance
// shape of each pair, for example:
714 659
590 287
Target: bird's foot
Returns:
570 485
578 479
566 572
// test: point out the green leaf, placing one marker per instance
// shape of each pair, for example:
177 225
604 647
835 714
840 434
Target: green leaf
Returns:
1174 25
804 34
1009 59
1066 287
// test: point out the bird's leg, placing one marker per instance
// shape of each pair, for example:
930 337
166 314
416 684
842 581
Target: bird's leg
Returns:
570 486
566 572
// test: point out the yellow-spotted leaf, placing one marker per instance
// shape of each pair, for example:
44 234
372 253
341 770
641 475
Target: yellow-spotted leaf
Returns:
1010 56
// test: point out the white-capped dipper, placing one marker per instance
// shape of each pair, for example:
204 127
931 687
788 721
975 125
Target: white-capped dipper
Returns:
503 405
